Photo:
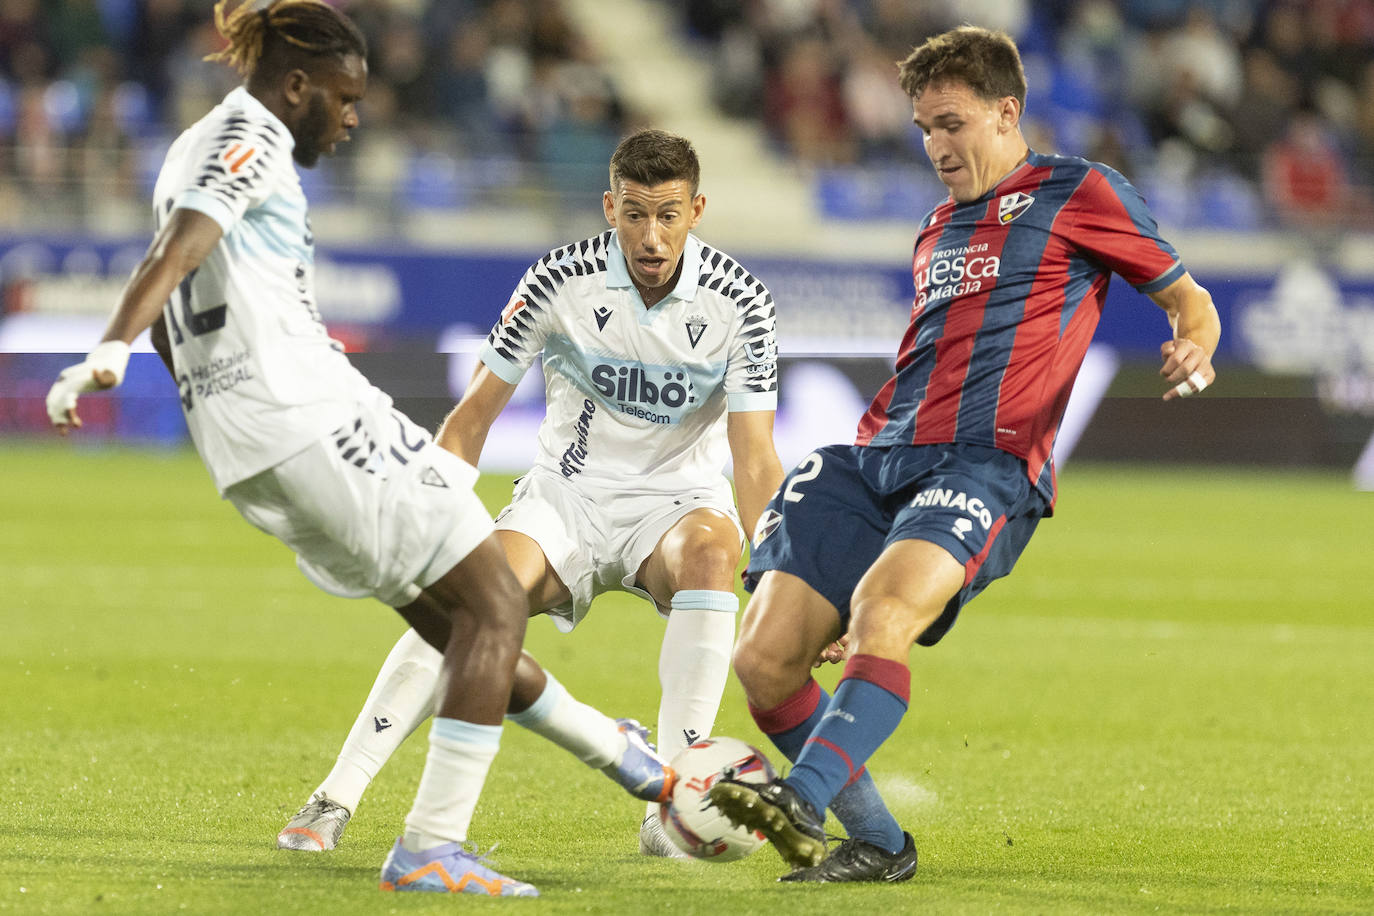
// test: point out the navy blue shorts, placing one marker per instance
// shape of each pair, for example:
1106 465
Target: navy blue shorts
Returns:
844 504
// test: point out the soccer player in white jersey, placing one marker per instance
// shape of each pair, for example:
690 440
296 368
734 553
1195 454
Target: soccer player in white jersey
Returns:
302 445
659 360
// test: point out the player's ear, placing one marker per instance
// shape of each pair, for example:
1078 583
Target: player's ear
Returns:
608 207
296 86
698 208
1009 113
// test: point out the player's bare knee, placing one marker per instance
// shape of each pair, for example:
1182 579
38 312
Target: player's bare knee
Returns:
886 625
707 564
704 556
767 675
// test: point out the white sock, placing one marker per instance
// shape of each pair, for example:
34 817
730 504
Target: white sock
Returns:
460 753
402 697
693 666
586 733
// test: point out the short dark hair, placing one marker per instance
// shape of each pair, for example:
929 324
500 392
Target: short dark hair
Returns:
651 157
284 35
986 60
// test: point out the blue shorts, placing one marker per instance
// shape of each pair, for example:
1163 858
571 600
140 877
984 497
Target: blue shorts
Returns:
844 504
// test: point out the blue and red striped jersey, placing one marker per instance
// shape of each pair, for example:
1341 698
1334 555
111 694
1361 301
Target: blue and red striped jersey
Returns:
1009 290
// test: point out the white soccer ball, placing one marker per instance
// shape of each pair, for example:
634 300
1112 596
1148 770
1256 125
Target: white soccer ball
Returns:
695 825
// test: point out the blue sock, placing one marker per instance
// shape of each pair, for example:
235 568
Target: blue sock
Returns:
857 806
868 704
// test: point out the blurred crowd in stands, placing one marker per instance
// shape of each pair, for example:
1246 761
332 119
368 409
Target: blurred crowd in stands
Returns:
1235 113
1228 113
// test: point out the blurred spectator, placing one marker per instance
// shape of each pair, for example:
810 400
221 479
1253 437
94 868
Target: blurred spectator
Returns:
159 31
804 108
1364 126
1306 179
879 112
1268 102
25 54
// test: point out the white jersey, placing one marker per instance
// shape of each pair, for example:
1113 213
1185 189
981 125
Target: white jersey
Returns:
636 397
259 377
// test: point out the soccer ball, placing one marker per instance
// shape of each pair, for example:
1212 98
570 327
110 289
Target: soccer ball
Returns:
694 824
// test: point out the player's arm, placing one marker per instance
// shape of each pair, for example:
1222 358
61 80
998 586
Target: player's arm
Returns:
183 242
466 427
758 472
162 344
1197 330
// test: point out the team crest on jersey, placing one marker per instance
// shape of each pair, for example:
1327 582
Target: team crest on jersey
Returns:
696 326
602 315
767 524
1010 206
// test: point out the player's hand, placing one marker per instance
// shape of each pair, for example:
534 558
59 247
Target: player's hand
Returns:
834 653
103 368
1187 368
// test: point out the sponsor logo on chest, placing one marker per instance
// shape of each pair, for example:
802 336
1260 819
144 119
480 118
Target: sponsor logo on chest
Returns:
954 272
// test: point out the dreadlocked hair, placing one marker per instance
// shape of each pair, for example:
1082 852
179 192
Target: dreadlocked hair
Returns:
284 33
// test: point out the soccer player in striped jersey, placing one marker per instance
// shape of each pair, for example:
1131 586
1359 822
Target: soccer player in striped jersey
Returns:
303 446
881 543
659 360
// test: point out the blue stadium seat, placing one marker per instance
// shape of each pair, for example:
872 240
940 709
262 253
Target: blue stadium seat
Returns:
134 111
62 104
1227 201
437 181
6 108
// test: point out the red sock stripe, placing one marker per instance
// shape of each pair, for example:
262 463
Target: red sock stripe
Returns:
791 712
848 762
894 677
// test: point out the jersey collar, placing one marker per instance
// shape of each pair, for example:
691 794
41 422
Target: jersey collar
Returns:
618 272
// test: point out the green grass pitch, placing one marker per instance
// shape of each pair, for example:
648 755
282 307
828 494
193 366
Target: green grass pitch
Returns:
1167 707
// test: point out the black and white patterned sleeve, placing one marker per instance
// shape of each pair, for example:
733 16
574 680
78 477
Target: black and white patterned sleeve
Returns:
519 335
234 169
751 379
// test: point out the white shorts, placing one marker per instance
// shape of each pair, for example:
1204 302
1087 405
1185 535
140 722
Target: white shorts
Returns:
374 509
596 540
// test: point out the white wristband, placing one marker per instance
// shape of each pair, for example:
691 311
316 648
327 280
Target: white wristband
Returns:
110 356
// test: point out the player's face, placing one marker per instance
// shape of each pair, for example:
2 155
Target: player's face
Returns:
651 223
969 139
331 110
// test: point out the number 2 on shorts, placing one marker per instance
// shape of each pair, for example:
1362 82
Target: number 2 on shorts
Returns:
809 469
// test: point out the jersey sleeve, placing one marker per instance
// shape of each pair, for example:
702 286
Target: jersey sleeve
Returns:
234 169
1114 226
751 374
519 335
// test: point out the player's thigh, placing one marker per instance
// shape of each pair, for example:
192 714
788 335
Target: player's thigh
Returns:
902 594
481 589
553 518
784 627
700 551
826 525
980 506
536 575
